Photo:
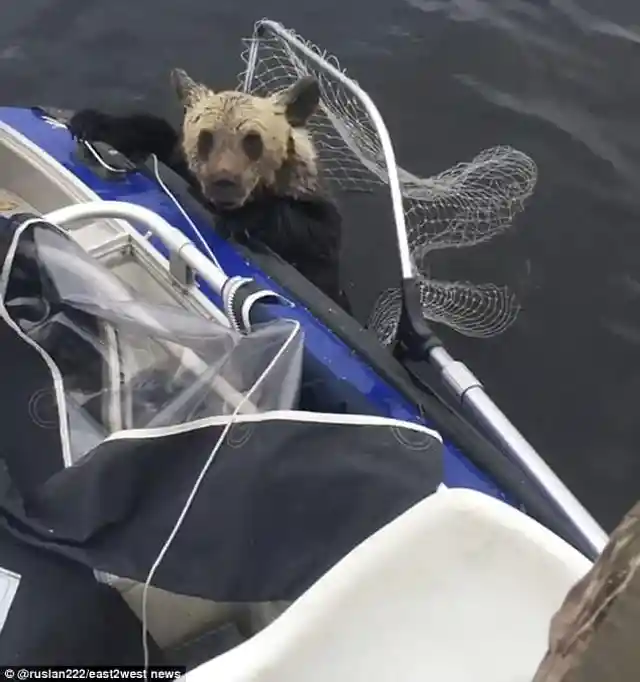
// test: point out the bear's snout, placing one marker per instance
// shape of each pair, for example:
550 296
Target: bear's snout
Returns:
225 190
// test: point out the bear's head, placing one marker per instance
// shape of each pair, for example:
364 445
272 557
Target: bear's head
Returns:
238 145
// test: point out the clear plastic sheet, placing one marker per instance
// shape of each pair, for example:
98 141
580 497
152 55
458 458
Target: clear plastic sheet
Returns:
130 363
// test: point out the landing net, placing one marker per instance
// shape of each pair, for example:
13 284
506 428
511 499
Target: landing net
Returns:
462 206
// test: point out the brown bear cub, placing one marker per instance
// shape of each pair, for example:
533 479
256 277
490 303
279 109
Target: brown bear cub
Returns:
250 160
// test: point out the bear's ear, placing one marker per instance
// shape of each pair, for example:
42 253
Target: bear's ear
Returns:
300 100
186 88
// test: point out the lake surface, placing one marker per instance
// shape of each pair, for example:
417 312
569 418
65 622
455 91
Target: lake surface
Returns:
557 79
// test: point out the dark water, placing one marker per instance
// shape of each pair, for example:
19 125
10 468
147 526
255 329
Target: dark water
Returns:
557 79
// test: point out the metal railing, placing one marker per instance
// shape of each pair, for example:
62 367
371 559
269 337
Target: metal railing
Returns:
184 255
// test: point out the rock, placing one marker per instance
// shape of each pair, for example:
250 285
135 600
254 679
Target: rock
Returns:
595 635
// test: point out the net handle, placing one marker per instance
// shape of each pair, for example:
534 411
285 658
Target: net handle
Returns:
416 339
268 26
419 342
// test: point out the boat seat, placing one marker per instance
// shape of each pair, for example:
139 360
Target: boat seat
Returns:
460 588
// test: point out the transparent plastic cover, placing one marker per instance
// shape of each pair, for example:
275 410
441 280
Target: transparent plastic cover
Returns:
124 362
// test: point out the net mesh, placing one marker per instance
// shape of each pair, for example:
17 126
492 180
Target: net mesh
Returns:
465 205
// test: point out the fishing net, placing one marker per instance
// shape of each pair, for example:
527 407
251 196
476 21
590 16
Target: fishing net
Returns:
465 205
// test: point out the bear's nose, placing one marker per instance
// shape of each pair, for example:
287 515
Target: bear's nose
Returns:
224 183
225 180
224 186
224 189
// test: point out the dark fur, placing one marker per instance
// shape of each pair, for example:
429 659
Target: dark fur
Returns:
304 231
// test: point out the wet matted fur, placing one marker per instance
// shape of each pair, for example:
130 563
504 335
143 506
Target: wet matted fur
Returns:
250 160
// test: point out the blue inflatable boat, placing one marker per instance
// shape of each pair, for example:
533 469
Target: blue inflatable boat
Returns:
193 420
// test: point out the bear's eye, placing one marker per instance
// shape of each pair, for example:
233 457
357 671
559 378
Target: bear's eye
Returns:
252 144
205 144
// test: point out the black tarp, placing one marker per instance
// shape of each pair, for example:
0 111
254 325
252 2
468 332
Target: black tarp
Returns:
287 495
61 616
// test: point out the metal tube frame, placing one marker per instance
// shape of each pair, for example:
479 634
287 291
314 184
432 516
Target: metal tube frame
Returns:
182 251
185 257
456 376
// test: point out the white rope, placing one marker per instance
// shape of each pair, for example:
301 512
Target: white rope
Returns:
185 215
197 484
